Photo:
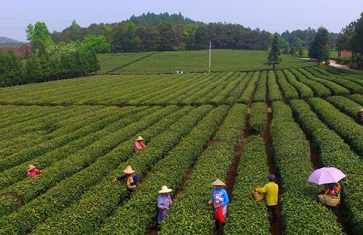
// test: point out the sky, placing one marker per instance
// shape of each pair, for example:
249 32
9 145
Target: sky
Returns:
270 15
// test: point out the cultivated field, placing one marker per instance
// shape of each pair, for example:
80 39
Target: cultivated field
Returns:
234 125
197 61
113 62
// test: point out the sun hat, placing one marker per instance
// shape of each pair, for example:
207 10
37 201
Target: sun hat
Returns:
218 182
139 138
165 189
31 167
361 110
128 170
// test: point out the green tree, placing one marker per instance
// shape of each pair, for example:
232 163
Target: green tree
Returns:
284 45
167 37
149 36
33 69
201 38
299 47
74 32
13 68
320 46
131 41
356 43
45 65
54 68
292 51
39 37
93 63
274 53
189 33
2 67
97 44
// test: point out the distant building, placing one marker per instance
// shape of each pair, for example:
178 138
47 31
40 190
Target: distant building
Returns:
345 53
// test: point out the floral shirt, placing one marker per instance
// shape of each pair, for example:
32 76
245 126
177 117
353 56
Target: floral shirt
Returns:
333 189
220 197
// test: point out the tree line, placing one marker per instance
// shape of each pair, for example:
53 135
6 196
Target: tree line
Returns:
319 49
49 61
15 70
170 32
351 39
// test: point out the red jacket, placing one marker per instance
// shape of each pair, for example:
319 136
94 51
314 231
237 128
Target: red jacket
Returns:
138 146
34 173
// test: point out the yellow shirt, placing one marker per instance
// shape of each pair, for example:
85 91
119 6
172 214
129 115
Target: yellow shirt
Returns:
129 181
271 191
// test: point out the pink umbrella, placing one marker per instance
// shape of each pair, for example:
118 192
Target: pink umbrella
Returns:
326 175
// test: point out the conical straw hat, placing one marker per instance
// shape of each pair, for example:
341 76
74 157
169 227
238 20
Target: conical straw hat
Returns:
128 170
139 138
165 189
31 167
218 182
361 110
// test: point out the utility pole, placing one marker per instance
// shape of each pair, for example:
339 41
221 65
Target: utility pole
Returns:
210 55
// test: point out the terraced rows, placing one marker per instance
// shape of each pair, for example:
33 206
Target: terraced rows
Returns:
80 132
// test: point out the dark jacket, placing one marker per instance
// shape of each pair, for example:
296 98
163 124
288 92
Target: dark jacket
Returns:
359 118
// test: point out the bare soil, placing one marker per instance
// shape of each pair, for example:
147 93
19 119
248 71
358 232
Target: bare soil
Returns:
276 228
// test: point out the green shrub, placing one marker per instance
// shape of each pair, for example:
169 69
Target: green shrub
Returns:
250 89
170 172
335 152
258 117
291 153
246 216
334 88
340 123
261 88
345 105
289 91
196 217
318 88
273 88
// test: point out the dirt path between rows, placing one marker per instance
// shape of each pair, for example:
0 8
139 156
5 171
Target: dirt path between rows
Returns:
233 168
276 228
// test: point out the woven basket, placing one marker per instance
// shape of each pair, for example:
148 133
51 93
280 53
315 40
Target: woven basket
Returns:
258 196
328 200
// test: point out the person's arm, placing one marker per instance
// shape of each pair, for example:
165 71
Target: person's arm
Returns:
37 172
262 190
226 199
211 199
119 178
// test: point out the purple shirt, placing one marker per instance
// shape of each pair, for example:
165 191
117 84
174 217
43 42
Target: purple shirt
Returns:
163 201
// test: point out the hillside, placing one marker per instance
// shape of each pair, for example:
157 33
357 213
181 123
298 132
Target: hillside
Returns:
5 41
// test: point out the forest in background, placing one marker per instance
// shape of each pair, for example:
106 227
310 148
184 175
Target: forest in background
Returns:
171 32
